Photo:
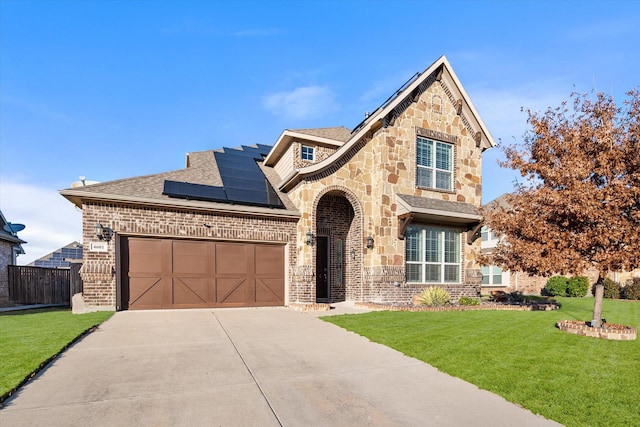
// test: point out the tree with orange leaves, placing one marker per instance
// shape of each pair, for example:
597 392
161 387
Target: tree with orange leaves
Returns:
580 206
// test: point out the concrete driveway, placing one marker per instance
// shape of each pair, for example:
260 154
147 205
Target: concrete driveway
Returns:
246 367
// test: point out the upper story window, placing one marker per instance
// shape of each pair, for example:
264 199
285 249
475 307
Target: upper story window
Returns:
432 255
434 163
487 234
308 153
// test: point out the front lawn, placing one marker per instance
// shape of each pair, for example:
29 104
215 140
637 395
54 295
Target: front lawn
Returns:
28 339
522 356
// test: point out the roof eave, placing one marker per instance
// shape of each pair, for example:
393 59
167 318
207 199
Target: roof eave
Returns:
437 215
288 136
78 197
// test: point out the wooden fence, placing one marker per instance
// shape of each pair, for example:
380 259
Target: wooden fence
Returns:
38 285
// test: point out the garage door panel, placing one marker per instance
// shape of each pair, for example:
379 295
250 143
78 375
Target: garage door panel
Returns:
192 291
269 291
166 273
233 291
146 292
146 256
269 261
232 258
193 258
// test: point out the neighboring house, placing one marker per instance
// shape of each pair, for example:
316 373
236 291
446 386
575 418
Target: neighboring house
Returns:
10 248
61 258
374 213
495 278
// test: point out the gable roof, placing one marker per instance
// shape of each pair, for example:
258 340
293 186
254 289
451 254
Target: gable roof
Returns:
202 169
334 136
443 70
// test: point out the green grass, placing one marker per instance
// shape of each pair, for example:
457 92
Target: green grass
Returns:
577 381
29 339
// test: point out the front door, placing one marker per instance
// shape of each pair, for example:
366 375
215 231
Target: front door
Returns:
322 268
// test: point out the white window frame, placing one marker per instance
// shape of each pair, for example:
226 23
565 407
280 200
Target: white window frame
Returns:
441 261
490 272
431 171
308 152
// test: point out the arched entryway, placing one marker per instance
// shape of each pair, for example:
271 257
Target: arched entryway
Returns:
338 248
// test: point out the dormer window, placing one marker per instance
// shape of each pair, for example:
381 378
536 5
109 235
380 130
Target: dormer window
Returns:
434 163
308 153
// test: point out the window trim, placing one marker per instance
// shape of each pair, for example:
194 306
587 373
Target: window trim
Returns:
491 276
308 148
432 168
441 254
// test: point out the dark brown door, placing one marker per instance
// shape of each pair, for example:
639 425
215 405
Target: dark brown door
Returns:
165 273
322 270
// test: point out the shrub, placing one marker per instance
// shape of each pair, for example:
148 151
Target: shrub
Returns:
468 301
611 289
434 297
578 286
556 286
632 289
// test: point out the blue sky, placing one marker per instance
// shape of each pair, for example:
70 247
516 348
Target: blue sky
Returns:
115 89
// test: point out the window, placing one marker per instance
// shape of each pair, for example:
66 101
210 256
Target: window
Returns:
491 275
308 153
434 161
432 255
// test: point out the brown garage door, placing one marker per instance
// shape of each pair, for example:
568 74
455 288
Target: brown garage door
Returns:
165 273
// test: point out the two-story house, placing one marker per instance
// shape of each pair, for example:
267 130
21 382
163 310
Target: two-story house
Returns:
374 213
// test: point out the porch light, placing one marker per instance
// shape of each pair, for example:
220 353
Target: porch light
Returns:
310 238
102 232
369 242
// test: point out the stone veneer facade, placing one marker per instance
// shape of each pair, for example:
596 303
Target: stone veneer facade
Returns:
369 177
98 271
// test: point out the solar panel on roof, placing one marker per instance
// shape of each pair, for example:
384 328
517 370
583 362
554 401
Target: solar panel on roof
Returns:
187 190
242 179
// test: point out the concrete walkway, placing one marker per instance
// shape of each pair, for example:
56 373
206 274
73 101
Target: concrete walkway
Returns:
246 367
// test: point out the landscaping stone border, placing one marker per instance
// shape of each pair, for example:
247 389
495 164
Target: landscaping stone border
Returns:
490 306
608 331
310 307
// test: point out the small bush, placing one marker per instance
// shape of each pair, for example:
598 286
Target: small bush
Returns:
632 289
434 297
468 301
556 286
611 289
578 286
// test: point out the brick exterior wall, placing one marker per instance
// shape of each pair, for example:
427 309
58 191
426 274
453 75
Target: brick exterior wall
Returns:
99 268
6 258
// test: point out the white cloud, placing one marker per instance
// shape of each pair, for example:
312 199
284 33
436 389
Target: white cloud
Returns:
51 221
301 103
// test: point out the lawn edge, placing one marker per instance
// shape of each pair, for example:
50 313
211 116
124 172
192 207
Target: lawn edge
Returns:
44 364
